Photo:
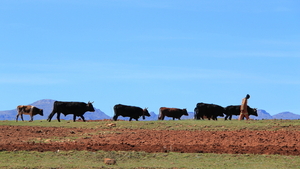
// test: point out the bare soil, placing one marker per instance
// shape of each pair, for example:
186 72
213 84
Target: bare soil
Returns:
15 138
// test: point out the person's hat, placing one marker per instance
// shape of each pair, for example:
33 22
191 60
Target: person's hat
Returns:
248 96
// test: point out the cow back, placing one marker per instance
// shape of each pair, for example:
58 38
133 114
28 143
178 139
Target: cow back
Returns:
24 109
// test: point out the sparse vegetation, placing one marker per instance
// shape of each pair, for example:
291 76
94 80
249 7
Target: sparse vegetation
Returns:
85 159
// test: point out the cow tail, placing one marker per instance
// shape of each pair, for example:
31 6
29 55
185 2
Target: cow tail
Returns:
160 115
19 111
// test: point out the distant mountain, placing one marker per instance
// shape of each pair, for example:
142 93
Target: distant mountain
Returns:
152 117
190 116
47 106
9 115
262 114
286 116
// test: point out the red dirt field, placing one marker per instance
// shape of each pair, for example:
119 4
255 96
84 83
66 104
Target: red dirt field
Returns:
15 138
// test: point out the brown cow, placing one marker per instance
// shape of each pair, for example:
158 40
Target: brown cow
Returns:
171 112
28 110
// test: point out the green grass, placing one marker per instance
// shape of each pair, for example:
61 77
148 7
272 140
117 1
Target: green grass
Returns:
220 125
85 159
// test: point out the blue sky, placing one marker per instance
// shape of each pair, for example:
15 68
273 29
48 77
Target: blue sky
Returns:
151 53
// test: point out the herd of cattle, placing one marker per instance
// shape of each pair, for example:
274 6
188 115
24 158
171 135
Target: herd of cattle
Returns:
201 111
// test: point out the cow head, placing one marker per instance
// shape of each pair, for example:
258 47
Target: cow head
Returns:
145 113
185 112
41 112
252 111
255 112
90 107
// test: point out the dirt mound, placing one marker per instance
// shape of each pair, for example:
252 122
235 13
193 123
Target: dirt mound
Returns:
15 138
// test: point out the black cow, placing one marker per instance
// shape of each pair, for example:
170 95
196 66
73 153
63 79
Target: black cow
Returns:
210 111
129 111
171 112
75 108
235 110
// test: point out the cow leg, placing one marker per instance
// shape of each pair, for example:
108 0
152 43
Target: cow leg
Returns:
130 118
74 118
82 118
17 117
58 117
31 118
22 117
214 117
50 116
230 117
115 118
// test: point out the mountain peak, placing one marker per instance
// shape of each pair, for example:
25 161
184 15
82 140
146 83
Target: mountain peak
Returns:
44 101
286 116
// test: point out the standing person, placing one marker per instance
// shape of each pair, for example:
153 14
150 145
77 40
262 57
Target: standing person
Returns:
243 109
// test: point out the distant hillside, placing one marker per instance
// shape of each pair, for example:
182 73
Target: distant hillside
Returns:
47 106
286 116
152 117
262 114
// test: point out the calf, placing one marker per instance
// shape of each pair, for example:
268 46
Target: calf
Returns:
28 110
171 112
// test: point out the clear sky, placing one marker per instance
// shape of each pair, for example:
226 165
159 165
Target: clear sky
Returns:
151 53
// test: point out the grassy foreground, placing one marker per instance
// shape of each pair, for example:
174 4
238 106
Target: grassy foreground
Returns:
85 159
